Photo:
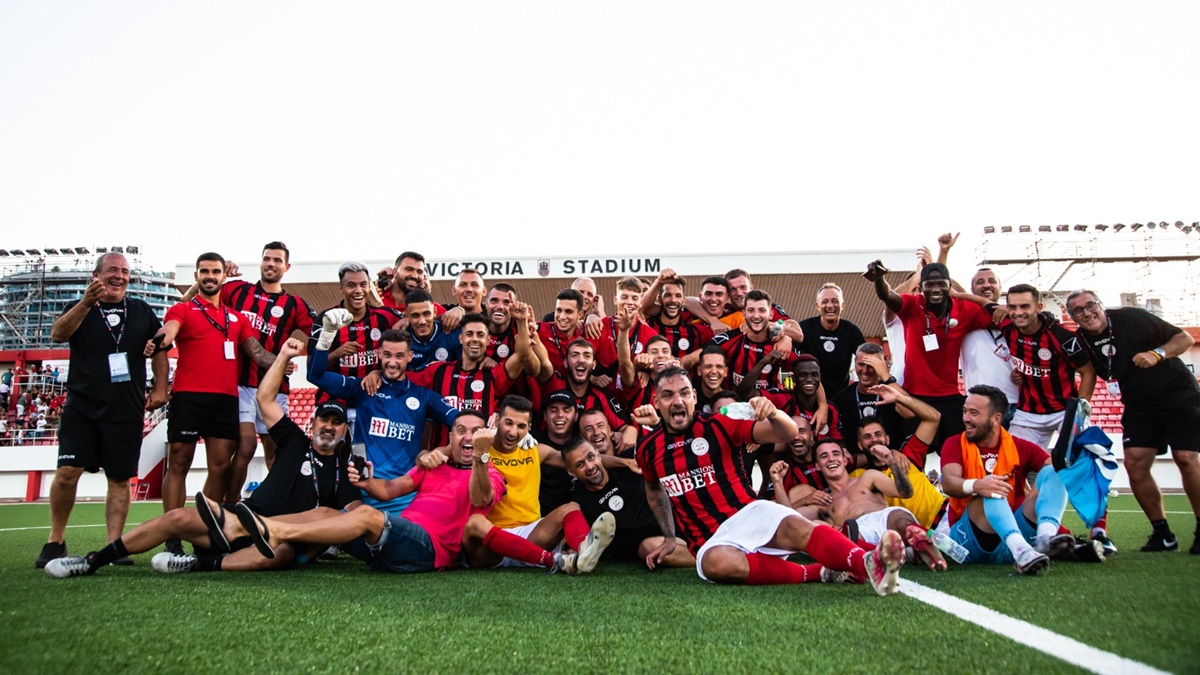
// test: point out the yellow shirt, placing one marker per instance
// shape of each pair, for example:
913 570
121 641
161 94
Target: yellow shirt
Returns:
926 501
522 471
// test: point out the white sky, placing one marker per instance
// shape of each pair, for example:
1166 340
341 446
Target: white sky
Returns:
359 129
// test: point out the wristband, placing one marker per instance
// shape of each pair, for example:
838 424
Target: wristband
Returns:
968 486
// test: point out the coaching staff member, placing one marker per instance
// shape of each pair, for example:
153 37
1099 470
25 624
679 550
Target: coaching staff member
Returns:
101 425
1162 401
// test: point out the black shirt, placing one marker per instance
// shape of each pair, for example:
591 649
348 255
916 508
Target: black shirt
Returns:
289 487
834 351
625 497
89 381
1131 331
853 405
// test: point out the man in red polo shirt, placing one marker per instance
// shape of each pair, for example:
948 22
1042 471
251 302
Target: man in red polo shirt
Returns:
934 328
204 401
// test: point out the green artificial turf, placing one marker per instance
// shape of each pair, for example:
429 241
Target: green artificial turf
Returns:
337 616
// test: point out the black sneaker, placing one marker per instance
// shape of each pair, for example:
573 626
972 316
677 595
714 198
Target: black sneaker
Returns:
123 561
1157 543
175 546
1109 547
1195 549
50 551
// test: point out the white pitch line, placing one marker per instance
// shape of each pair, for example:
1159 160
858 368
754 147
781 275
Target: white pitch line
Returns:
46 527
1035 637
1169 513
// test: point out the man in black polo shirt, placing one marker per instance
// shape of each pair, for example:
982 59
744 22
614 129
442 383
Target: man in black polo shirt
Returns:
1162 401
832 339
307 474
101 423
622 493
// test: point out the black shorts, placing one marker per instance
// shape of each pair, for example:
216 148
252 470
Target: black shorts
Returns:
1174 422
195 415
625 545
94 445
950 424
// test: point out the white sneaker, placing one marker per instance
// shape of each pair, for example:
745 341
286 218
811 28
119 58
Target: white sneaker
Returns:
1055 547
883 564
564 562
1031 562
169 563
72 566
600 536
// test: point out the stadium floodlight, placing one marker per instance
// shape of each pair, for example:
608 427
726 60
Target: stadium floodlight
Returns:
989 229
1135 227
50 251
82 250
1186 229
1099 228
1063 228
1006 229
131 250
1081 228
116 249
1151 225
101 250
1163 225
1044 228
1025 229
3 253
1179 224
1118 227
33 251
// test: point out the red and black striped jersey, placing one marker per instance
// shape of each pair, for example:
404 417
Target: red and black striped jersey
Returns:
605 346
479 389
613 410
686 336
1046 361
638 395
367 332
804 474
502 345
556 345
702 473
787 402
273 315
741 353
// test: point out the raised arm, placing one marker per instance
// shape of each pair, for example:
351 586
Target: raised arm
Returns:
876 273
65 326
482 493
624 321
271 381
771 424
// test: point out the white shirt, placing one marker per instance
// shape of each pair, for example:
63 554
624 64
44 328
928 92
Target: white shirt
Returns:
985 360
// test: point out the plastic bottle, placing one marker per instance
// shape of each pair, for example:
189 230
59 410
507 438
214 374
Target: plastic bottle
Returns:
948 546
775 329
738 411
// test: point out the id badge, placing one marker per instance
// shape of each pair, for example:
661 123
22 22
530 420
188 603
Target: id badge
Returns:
118 367
931 343
230 355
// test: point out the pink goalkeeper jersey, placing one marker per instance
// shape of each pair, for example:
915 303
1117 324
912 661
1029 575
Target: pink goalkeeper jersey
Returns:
443 505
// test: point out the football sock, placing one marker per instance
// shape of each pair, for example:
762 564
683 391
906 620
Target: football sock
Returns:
208 563
1000 516
833 550
767 569
1102 524
510 545
1162 529
575 529
1051 501
108 554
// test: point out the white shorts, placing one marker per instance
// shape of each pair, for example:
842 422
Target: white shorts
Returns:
749 530
1037 429
872 525
524 532
248 408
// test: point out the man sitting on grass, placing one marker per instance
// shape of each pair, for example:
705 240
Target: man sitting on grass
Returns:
307 472
425 538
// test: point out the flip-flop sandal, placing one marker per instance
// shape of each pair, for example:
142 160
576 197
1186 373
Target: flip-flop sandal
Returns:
215 522
256 528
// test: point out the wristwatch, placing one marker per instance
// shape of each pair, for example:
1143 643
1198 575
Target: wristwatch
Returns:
1160 353
891 380
484 458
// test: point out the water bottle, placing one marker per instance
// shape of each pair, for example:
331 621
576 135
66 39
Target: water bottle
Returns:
948 546
738 411
775 329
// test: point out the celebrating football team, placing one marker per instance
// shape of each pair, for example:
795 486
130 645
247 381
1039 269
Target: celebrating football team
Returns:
710 430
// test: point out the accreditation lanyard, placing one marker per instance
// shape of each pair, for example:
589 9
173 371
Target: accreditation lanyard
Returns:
224 329
337 475
124 319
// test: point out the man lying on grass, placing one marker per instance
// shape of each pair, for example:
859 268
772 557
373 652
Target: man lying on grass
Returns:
307 472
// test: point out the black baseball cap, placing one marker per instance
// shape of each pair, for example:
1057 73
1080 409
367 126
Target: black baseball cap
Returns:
331 409
929 270
560 396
